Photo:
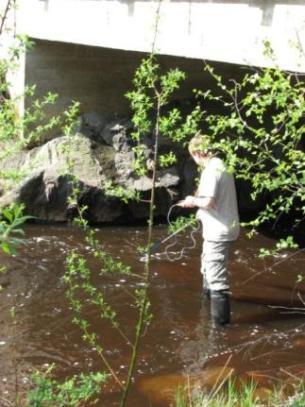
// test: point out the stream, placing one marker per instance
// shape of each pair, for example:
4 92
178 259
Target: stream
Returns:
265 341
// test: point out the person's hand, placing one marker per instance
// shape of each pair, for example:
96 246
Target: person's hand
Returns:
188 202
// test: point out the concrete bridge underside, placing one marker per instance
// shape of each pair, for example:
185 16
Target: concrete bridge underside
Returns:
100 77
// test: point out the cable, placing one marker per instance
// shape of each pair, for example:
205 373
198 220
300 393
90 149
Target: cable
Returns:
192 236
166 252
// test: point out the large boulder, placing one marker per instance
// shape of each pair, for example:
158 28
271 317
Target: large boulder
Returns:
99 153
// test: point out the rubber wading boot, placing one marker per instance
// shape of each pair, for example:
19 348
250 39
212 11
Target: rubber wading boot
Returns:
206 293
220 307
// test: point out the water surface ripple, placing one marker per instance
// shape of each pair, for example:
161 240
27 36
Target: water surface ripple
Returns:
266 339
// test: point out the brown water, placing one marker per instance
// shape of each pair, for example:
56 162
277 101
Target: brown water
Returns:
262 342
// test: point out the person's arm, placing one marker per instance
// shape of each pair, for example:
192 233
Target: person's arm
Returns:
197 201
206 192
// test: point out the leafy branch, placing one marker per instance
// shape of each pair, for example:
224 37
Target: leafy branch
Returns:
11 220
260 129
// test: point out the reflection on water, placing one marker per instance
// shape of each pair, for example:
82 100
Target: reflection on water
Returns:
263 341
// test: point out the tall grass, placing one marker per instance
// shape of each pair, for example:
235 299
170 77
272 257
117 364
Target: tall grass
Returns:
242 395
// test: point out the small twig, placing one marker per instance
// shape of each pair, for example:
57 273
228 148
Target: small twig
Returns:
215 389
4 17
270 267
266 376
262 355
289 373
301 298
291 310
293 313
156 28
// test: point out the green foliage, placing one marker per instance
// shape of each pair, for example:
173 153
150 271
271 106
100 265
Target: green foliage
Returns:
11 61
189 127
243 395
282 244
166 160
182 222
152 118
17 133
73 392
30 127
71 115
141 301
81 288
79 280
20 131
124 194
13 175
153 92
298 400
11 221
261 130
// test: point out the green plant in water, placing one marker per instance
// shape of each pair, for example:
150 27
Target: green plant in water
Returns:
152 94
73 392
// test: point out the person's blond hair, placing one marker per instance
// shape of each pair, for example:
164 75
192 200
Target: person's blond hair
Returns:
199 143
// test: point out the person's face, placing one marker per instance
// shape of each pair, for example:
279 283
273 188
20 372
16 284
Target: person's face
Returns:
199 158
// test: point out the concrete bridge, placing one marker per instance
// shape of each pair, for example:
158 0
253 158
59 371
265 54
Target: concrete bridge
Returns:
89 49
217 30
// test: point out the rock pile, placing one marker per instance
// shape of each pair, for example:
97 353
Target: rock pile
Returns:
101 152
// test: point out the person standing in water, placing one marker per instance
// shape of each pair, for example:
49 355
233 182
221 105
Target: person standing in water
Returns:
217 210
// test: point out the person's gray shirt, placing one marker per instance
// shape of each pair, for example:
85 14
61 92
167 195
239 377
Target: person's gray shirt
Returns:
222 222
